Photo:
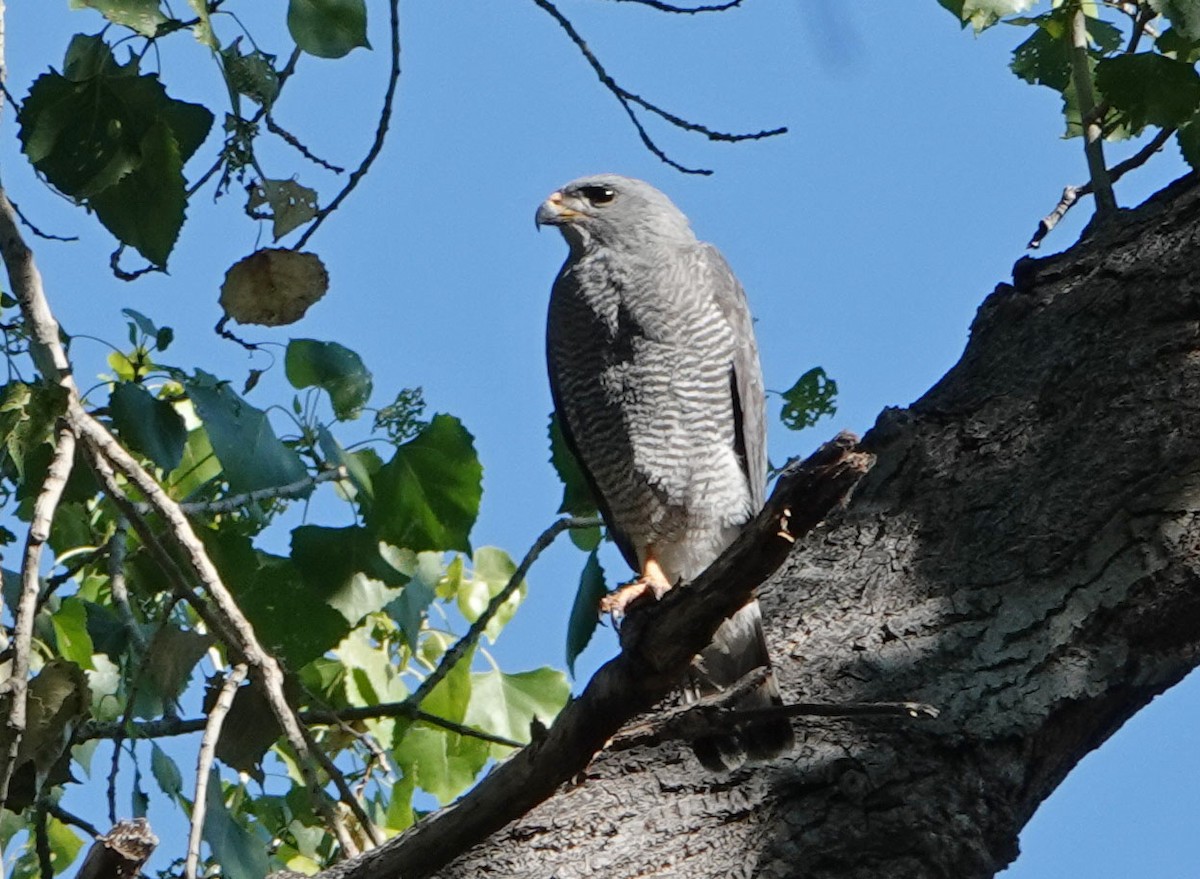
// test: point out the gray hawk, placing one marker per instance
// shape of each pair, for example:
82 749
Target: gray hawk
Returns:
655 377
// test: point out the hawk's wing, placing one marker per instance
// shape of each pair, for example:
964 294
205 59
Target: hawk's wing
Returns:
564 422
746 381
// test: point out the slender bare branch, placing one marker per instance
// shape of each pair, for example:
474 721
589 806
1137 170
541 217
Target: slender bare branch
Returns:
385 118
204 762
174 726
452 656
238 501
628 100
1072 194
683 10
14 691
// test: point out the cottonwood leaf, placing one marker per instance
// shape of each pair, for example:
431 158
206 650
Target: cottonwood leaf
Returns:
251 455
143 16
585 612
148 425
1149 89
506 704
344 566
328 28
427 496
811 398
335 369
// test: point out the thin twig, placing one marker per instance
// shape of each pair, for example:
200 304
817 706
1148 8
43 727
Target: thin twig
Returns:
385 118
238 501
120 589
71 818
452 656
41 843
1072 194
628 99
15 690
294 142
167 726
35 230
204 761
684 10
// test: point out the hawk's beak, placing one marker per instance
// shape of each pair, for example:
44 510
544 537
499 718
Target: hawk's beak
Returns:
553 212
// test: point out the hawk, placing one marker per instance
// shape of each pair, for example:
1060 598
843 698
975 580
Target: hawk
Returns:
655 377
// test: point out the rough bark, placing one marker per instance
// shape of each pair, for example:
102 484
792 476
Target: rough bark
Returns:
1023 556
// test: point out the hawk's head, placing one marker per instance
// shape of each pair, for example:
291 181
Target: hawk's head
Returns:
613 211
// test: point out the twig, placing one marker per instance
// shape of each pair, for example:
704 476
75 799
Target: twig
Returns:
628 99
238 501
385 117
15 689
1072 194
41 844
451 657
657 653
35 230
204 761
1093 138
119 588
71 818
684 10
166 727
294 142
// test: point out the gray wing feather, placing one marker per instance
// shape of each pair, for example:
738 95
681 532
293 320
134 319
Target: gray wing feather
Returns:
747 381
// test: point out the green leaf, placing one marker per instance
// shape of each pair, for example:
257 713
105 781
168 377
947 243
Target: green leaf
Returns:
982 14
506 704
292 204
89 56
168 666
27 417
491 569
241 853
335 369
1149 89
58 699
252 74
577 494
345 568
585 612
166 773
427 496
440 762
1188 138
1043 59
71 633
1184 16
409 610
361 465
86 135
149 425
1175 44
251 456
811 398
203 26
145 208
198 467
65 845
143 16
328 28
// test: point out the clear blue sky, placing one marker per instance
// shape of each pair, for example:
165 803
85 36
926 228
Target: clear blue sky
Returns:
916 168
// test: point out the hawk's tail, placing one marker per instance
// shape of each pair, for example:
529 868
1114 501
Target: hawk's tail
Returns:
736 650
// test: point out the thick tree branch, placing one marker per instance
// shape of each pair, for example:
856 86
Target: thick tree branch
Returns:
659 644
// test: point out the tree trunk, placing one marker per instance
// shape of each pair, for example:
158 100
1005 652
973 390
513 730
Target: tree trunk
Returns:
1023 556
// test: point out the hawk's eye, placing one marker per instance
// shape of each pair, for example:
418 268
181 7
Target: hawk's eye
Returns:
598 195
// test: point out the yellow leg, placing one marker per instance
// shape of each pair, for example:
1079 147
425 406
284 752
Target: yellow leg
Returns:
652 580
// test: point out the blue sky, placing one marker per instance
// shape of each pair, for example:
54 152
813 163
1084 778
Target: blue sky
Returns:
915 169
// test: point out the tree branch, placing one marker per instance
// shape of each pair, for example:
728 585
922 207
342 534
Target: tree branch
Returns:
628 99
659 642
1072 194
1093 137
204 761
452 656
385 117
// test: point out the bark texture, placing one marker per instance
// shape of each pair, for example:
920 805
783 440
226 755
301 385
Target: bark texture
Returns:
1024 556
